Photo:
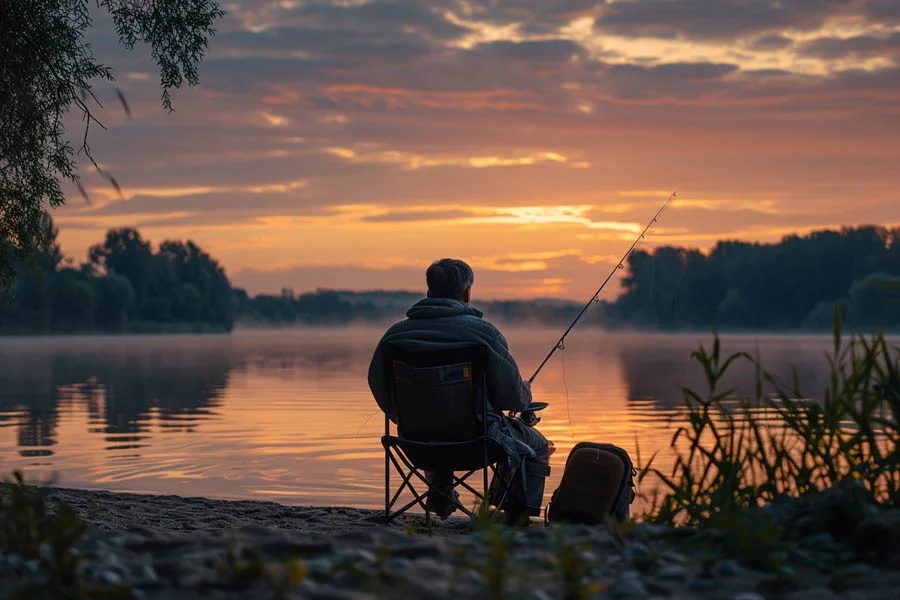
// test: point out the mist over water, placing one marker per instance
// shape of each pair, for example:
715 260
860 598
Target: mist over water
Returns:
287 415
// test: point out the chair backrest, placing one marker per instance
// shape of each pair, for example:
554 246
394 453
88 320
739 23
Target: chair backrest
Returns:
438 395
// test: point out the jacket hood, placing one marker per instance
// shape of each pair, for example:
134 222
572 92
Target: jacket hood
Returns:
435 308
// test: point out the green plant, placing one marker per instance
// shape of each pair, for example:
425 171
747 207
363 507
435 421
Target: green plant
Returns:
242 567
737 454
574 569
35 531
495 569
498 539
287 576
460 558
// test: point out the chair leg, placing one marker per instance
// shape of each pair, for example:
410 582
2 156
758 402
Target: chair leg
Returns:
416 500
406 482
506 486
387 485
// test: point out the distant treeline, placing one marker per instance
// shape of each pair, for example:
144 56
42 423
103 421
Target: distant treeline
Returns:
332 307
127 286
124 286
794 284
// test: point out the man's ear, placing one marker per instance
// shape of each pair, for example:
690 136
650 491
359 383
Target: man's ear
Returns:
467 295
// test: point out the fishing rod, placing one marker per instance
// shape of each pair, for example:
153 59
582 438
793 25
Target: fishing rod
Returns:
560 344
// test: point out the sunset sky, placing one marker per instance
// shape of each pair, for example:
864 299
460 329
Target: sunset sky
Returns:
347 144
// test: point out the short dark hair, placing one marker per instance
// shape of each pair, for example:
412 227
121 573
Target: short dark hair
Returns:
449 278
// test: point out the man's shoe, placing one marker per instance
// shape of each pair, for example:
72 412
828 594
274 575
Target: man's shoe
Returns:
441 506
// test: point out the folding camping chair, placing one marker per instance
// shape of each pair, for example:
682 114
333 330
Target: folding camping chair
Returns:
440 401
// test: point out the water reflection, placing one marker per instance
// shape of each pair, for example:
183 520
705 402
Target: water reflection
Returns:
283 415
656 368
119 386
125 383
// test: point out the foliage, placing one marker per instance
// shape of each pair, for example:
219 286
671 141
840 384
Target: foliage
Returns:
496 567
572 561
243 567
574 570
792 284
875 302
47 68
31 529
124 286
736 455
337 307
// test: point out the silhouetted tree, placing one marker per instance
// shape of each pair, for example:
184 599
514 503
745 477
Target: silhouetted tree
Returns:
203 291
123 286
28 304
74 302
125 253
821 317
875 302
794 283
114 297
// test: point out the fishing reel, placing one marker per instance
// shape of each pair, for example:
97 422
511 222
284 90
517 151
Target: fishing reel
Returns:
528 415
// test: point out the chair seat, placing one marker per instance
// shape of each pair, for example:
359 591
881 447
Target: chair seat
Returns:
450 456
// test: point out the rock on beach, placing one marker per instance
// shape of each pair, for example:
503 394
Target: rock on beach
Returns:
161 547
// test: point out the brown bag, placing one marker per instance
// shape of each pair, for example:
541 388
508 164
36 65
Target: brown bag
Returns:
598 482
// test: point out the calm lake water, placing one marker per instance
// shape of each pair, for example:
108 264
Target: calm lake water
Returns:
287 415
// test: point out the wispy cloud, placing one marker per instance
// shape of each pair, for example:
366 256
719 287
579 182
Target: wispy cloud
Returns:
502 131
273 120
410 160
106 195
511 215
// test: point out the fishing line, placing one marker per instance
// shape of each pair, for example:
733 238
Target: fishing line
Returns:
566 387
652 288
366 422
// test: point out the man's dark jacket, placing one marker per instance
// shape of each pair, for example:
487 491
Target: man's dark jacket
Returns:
432 322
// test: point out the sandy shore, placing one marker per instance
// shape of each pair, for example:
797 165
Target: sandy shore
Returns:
163 547
114 511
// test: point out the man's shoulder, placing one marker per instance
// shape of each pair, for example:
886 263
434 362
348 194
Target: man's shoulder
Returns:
463 327
480 322
402 329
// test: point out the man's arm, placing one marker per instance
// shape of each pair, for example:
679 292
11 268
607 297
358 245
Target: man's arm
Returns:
507 390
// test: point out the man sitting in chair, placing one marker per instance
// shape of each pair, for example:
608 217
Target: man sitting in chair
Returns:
446 317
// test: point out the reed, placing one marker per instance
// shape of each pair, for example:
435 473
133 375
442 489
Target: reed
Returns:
736 454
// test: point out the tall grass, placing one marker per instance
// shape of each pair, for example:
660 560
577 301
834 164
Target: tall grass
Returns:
738 453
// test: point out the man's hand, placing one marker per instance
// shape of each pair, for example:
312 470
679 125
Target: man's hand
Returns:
529 418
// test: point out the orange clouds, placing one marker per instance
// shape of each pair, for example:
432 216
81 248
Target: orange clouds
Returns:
409 160
398 98
349 144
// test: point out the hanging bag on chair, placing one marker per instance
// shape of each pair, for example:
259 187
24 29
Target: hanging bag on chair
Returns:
597 483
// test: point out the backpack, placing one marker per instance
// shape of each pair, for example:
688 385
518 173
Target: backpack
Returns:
597 483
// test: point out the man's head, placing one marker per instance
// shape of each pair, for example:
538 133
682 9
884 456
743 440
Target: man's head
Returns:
450 278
